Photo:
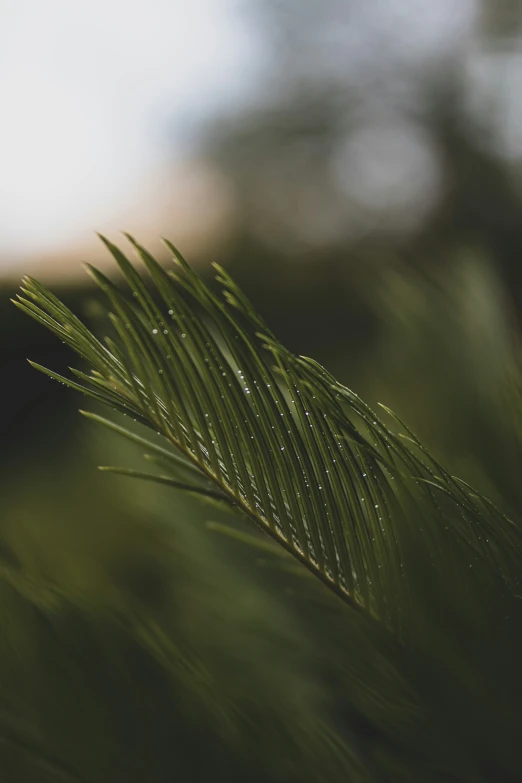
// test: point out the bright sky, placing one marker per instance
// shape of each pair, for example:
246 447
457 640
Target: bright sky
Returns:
99 98
93 95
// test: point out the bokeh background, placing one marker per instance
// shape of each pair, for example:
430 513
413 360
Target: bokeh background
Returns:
357 166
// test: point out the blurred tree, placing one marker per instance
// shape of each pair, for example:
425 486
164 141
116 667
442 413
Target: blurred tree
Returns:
379 133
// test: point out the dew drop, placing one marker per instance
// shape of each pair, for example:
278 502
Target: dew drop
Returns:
154 331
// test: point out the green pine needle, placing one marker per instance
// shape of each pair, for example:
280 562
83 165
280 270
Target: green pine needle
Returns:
274 435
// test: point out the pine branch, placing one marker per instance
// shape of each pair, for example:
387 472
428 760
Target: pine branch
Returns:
299 454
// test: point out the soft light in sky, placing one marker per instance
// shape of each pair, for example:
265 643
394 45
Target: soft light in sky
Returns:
93 95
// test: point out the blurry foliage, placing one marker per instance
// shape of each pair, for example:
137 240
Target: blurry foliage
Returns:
91 557
134 647
372 138
450 360
431 693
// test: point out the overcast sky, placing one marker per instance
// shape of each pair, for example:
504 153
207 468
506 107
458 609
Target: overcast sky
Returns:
95 95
